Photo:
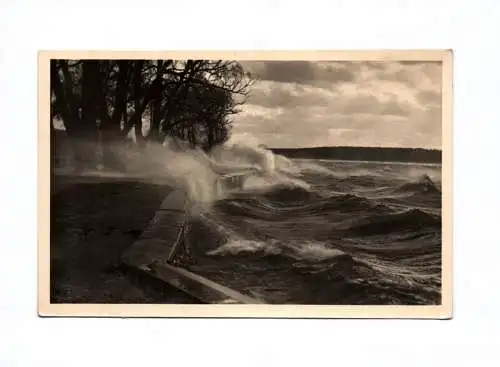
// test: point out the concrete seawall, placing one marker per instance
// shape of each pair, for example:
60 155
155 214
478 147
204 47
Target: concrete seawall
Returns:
159 251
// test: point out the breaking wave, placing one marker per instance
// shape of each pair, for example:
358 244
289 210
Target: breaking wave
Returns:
310 231
306 231
312 251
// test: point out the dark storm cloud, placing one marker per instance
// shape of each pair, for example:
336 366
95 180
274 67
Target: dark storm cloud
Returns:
375 103
297 96
276 94
302 72
288 71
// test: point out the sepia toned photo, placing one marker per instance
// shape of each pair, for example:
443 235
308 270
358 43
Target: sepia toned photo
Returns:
245 184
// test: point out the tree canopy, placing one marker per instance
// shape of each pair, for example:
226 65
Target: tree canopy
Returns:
107 100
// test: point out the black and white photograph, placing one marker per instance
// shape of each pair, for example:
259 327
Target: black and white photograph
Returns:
281 183
275 181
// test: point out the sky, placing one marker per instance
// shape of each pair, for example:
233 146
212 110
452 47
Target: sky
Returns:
378 104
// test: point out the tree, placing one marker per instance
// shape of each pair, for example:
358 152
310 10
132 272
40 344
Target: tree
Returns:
188 99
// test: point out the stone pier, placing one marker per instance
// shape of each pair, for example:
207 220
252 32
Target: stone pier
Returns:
158 253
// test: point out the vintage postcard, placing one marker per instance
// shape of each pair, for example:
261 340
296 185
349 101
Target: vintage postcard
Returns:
245 184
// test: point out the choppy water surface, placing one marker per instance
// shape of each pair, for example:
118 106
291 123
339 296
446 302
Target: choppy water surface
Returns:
327 232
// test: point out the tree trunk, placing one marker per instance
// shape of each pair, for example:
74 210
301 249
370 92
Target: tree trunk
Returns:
61 102
86 138
139 138
192 135
112 136
72 103
137 118
210 136
154 129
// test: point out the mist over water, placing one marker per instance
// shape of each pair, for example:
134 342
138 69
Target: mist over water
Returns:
197 172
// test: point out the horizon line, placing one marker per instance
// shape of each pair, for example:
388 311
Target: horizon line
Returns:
355 146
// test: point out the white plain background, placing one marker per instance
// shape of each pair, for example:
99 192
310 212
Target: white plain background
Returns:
470 28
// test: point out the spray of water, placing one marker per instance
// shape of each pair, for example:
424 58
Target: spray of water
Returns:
199 174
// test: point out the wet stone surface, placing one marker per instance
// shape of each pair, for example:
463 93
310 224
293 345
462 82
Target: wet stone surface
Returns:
92 225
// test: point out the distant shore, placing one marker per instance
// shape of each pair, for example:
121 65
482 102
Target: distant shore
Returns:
411 155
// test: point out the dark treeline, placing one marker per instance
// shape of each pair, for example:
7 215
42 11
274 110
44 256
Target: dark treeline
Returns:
102 102
415 155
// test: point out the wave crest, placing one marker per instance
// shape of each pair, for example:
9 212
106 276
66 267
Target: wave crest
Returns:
413 219
423 184
308 251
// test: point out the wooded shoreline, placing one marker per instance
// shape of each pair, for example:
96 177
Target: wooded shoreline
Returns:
413 155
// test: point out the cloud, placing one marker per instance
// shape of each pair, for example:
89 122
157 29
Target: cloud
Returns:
272 94
302 72
344 103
